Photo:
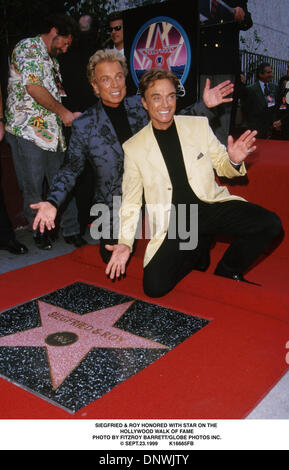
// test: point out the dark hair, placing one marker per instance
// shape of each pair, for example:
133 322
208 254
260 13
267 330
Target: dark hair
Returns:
117 15
64 24
261 68
153 75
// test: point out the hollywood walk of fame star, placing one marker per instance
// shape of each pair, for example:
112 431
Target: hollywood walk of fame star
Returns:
68 337
159 53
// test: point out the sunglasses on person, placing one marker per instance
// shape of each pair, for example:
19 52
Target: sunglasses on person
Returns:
115 28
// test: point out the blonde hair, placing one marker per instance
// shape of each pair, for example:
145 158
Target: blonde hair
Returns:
105 55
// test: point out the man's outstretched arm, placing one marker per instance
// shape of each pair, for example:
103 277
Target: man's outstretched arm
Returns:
45 99
212 97
217 95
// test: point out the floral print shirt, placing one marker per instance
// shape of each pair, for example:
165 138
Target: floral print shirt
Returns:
31 64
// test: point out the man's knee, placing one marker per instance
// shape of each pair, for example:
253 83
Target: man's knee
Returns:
154 286
274 225
154 291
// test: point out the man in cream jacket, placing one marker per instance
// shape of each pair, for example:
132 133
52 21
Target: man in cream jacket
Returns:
172 161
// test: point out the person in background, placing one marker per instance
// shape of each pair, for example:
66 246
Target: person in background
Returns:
115 22
35 115
281 114
8 240
79 96
85 22
260 100
78 93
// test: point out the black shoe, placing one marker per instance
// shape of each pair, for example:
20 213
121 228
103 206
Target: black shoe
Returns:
235 276
13 246
42 241
53 235
75 240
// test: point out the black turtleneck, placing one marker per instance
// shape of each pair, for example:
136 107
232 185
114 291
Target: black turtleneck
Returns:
119 120
170 147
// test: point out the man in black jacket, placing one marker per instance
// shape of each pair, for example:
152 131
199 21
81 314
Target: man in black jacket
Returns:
98 135
260 101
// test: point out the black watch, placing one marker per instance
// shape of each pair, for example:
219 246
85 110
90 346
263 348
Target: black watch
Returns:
2 119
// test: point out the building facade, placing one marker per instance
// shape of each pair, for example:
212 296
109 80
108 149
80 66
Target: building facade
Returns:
269 34
271 27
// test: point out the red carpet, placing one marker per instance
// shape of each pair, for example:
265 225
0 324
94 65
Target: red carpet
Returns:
221 372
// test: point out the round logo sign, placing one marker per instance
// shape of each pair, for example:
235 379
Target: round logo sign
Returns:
161 43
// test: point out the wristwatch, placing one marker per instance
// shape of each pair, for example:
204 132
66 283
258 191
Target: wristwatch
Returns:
2 119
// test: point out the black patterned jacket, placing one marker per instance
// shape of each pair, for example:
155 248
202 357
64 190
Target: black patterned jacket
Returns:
94 137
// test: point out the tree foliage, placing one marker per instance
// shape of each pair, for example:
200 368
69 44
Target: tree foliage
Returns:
21 18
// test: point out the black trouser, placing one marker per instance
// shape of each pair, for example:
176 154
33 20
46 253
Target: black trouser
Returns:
6 229
253 228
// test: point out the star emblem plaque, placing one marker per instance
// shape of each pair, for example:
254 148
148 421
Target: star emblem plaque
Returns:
161 43
75 344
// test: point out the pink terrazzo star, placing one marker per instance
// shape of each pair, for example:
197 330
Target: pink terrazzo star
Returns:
68 337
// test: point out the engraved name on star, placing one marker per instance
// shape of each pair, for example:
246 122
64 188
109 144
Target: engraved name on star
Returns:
68 337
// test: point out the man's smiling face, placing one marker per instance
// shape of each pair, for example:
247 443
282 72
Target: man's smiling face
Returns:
160 102
109 83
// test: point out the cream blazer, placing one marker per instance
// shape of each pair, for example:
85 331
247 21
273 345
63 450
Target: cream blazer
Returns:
145 171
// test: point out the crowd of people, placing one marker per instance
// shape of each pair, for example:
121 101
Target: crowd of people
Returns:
70 122
264 104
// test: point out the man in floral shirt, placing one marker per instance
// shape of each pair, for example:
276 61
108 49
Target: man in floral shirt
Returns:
35 117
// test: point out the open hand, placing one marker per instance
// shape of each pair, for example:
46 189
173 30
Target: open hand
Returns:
215 96
45 216
118 260
239 149
67 117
